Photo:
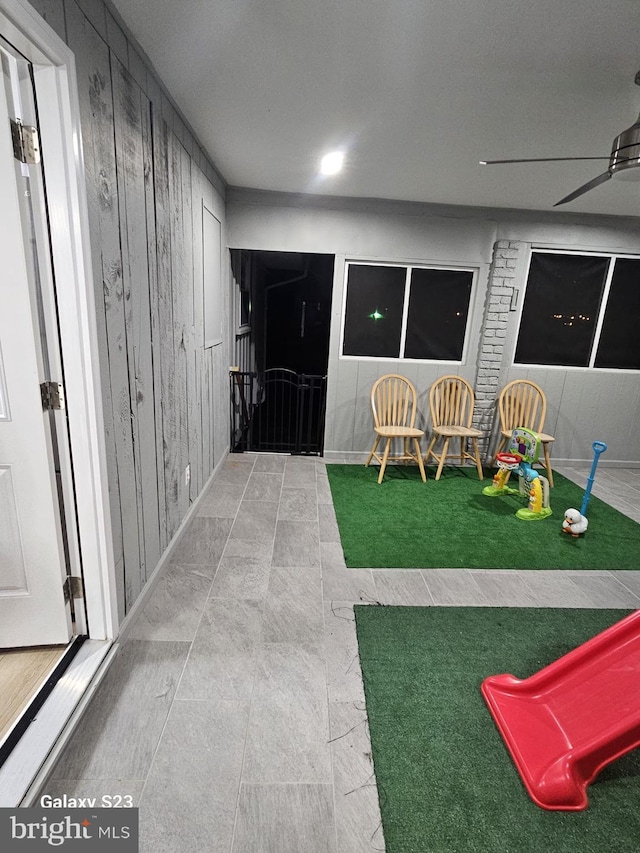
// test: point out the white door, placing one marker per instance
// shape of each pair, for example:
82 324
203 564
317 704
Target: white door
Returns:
32 544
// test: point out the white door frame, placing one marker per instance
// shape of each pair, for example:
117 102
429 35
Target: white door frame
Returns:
59 114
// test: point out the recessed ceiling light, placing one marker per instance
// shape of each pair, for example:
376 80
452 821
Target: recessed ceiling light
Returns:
331 163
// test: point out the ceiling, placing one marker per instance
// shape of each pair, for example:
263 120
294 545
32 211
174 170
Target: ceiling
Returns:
415 92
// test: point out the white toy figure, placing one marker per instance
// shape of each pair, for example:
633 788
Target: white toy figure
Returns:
574 523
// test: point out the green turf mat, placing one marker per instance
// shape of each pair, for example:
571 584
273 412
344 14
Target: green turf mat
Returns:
405 523
446 782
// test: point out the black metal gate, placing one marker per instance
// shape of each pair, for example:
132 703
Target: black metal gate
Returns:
278 411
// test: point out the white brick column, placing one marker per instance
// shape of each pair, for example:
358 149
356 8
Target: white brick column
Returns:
503 283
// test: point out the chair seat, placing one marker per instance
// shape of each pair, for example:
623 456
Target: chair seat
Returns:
399 432
458 431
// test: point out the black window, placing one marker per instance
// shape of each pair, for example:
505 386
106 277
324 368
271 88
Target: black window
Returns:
406 312
619 344
581 311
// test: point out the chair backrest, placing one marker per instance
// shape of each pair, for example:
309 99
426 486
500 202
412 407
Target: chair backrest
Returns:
522 403
393 401
451 402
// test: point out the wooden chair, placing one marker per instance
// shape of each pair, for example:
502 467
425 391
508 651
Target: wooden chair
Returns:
394 407
451 401
522 403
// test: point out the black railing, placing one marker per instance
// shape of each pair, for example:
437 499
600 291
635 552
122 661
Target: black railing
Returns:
278 411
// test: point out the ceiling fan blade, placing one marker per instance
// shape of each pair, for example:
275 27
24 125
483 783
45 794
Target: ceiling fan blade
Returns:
538 160
585 188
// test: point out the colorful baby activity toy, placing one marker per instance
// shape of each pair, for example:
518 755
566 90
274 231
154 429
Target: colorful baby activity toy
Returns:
575 521
521 454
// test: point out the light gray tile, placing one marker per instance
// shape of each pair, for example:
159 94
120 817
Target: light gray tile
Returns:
299 475
323 490
331 554
554 588
453 587
604 590
236 469
344 677
288 734
242 576
629 579
255 521
401 586
107 793
190 798
175 607
285 819
270 462
293 606
117 736
263 487
222 500
298 504
344 584
504 589
296 544
249 548
222 660
358 822
203 542
328 525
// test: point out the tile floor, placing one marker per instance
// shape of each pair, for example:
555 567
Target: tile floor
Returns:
234 713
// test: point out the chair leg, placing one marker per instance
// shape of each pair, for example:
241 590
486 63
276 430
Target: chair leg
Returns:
474 442
442 457
420 463
547 463
373 450
430 450
387 448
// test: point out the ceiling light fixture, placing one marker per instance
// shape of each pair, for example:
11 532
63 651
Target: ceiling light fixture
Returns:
331 163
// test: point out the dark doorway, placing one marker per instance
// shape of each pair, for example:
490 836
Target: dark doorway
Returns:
297 310
290 296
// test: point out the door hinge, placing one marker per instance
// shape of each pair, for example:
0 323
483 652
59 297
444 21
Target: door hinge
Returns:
26 144
73 587
52 396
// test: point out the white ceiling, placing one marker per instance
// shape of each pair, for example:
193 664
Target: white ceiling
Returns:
415 92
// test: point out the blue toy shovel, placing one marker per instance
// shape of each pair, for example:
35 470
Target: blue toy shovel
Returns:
598 447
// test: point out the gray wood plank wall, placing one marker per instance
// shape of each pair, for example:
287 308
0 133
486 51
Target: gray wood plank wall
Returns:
165 397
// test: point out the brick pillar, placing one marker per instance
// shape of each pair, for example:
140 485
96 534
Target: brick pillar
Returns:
503 282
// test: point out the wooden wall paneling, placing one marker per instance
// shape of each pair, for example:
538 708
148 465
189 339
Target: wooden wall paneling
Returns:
212 409
53 13
220 411
152 266
193 428
197 447
181 295
129 106
92 69
115 306
164 306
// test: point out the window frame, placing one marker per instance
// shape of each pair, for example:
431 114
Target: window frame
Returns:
408 266
612 257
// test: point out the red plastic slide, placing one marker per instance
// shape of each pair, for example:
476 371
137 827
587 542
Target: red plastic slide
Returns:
566 722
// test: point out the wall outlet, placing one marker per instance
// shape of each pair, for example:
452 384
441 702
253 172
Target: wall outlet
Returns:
187 474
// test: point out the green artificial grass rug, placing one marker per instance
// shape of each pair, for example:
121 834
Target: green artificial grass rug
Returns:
446 782
404 523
